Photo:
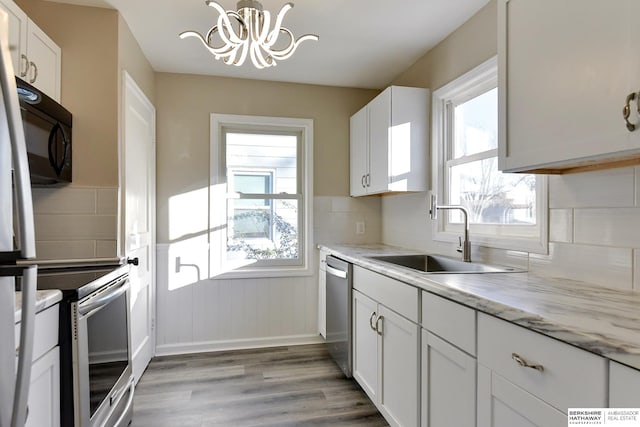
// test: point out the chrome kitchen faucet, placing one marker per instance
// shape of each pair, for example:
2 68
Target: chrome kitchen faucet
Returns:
465 246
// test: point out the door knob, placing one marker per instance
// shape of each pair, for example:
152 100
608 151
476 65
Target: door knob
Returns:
134 261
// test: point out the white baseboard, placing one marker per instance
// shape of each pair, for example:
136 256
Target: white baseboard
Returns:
240 344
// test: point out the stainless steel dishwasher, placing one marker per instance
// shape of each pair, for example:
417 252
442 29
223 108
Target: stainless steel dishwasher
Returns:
338 309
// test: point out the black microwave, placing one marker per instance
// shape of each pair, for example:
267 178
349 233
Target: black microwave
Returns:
47 131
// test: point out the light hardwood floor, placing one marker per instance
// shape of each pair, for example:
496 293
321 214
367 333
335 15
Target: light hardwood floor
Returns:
282 386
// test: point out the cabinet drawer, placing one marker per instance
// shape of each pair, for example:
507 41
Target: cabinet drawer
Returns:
398 296
571 378
450 321
46 332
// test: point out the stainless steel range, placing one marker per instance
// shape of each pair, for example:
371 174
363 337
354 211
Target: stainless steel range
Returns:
95 352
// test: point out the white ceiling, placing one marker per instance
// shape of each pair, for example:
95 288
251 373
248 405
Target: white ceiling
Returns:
363 43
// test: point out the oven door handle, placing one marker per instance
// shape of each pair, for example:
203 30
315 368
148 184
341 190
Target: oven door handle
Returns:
86 307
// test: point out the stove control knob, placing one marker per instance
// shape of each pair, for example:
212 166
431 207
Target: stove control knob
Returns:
134 261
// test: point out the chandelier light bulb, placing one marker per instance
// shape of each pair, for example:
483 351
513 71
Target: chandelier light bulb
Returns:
246 32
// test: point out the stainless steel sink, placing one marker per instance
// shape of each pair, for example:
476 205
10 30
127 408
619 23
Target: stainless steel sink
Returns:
440 264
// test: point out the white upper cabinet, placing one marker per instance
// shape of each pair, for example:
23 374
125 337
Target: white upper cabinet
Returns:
565 71
36 58
389 143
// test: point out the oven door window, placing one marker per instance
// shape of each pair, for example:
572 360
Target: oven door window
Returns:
108 348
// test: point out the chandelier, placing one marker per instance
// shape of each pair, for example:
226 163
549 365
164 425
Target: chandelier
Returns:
250 35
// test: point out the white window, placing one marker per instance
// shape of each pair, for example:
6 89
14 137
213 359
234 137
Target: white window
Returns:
261 193
505 210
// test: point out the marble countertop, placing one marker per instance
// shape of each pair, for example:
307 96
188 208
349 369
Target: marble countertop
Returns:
44 300
601 320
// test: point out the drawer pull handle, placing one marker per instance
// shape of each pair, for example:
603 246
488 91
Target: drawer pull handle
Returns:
626 111
520 361
371 325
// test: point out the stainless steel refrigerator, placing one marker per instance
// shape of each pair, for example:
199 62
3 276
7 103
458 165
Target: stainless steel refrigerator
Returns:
17 243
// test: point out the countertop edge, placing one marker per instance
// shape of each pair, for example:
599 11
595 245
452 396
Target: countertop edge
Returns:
44 300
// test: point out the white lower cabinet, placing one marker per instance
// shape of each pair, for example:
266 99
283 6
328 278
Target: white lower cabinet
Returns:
528 379
386 349
399 368
44 391
448 363
365 344
503 404
448 384
624 386
43 407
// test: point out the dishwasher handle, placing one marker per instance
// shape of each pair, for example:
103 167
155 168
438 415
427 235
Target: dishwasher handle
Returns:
335 272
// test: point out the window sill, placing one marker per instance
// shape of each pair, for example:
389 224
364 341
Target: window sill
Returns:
534 245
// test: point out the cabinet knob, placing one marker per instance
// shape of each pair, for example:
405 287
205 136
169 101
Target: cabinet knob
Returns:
626 111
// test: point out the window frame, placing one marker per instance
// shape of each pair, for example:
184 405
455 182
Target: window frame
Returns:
219 265
475 82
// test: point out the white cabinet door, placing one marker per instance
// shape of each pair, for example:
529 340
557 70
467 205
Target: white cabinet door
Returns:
18 22
379 127
399 368
563 81
624 386
365 344
448 384
503 404
358 145
44 391
36 58
45 62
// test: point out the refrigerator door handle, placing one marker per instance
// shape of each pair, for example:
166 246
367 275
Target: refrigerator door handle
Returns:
25 357
19 154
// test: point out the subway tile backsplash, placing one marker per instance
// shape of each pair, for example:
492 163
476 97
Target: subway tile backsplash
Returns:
346 220
75 222
594 229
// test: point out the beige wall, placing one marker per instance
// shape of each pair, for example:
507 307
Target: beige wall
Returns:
132 59
471 44
184 105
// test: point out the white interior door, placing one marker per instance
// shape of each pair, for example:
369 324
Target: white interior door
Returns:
138 203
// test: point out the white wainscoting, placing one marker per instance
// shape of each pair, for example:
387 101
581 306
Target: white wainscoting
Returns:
202 314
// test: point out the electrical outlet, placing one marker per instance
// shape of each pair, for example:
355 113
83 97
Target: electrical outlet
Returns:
359 227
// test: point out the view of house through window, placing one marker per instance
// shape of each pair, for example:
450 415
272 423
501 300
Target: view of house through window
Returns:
474 181
263 181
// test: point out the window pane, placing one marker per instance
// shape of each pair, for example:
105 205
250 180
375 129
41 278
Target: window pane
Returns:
266 230
476 125
250 219
263 154
252 183
490 196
